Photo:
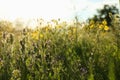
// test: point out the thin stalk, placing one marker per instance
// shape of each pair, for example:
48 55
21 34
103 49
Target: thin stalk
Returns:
76 28
119 6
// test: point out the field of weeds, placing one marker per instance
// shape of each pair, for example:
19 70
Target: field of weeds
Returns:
60 52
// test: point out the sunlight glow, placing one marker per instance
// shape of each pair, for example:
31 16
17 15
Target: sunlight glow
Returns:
49 9
46 9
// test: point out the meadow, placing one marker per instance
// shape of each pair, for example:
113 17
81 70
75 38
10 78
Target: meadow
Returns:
61 51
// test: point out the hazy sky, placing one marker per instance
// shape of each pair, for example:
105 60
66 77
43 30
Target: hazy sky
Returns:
49 9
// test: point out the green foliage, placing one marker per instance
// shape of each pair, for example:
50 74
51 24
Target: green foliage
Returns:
104 13
53 53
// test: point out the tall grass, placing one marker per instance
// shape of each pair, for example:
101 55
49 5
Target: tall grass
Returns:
60 52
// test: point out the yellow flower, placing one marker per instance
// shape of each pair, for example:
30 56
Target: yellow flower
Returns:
91 26
100 26
35 35
41 35
104 22
106 28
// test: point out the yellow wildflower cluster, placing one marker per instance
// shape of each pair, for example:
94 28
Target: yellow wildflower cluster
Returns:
101 26
104 25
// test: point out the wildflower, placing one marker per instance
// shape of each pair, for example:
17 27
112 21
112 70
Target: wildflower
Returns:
104 22
100 26
35 35
41 35
91 26
16 73
106 28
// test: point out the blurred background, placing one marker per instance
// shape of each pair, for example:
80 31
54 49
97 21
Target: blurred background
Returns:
27 11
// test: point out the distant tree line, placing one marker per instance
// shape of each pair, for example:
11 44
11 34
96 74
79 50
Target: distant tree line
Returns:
103 14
